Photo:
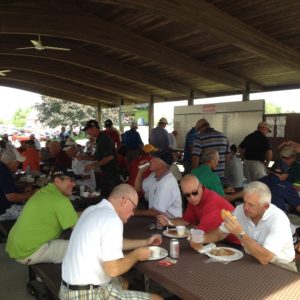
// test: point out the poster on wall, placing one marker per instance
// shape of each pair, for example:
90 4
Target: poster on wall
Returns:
280 131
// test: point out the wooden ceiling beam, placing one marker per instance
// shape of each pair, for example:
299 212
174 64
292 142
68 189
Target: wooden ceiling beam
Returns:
101 63
70 73
203 15
97 31
59 84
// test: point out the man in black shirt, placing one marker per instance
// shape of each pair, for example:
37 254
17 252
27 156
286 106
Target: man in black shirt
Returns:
256 151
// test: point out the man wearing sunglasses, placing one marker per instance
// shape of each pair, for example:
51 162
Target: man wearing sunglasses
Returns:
34 237
203 210
288 154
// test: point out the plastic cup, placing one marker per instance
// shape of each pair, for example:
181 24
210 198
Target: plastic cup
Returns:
180 230
155 251
197 236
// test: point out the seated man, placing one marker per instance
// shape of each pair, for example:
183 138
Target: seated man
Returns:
95 256
263 229
32 162
204 207
288 155
205 174
9 192
284 196
34 237
161 190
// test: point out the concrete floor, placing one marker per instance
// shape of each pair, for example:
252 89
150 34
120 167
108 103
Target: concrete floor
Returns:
13 278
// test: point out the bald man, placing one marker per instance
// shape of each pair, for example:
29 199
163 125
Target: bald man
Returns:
95 254
161 190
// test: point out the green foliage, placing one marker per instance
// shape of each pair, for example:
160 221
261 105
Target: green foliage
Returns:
20 116
271 108
55 112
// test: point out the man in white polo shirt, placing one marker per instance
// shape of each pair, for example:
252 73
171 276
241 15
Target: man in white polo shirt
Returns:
161 190
94 258
263 229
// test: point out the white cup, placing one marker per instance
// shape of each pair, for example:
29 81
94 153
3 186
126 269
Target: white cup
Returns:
197 236
85 194
180 230
155 251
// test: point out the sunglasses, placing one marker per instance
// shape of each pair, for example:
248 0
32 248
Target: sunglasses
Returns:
195 193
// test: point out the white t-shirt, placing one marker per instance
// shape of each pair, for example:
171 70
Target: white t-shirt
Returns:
164 194
97 237
273 232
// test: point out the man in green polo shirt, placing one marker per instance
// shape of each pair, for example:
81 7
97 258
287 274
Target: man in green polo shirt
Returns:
34 237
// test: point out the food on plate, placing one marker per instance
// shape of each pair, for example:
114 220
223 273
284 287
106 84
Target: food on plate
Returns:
226 213
172 231
221 252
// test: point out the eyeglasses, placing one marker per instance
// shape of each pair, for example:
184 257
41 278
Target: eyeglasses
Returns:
284 157
195 193
134 205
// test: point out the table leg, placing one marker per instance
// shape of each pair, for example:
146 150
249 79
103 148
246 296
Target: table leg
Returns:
146 283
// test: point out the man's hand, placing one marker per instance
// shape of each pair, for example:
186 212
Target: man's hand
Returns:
154 240
196 246
232 225
163 220
89 167
142 253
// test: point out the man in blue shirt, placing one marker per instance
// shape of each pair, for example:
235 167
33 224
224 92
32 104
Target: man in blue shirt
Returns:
9 193
284 196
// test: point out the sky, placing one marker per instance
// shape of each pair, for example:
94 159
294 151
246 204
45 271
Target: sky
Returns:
12 99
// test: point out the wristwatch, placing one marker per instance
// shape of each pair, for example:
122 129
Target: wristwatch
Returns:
241 235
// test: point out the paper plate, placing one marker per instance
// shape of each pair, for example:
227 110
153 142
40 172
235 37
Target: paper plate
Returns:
237 254
172 233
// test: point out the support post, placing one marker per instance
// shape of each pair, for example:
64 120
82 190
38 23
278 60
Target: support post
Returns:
191 98
246 92
151 113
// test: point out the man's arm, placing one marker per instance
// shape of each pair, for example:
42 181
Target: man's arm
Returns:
242 152
146 213
117 267
105 160
214 236
129 244
164 221
18 197
269 155
195 161
263 255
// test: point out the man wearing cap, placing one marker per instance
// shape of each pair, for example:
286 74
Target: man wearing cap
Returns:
284 196
34 237
161 190
104 157
209 138
288 154
112 133
256 151
9 192
133 142
159 138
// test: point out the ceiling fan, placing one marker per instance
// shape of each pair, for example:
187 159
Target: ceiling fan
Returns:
37 44
3 73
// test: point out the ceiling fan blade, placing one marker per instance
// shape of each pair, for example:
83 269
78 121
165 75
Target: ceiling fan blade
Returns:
56 48
36 43
22 48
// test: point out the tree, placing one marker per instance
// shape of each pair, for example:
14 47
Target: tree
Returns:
271 108
55 112
20 116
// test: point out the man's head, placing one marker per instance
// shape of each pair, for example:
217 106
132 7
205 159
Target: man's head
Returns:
211 158
257 199
54 148
12 159
108 124
70 147
163 122
32 136
202 125
124 199
30 143
63 179
288 155
5 137
63 129
158 166
191 188
92 128
134 126
264 127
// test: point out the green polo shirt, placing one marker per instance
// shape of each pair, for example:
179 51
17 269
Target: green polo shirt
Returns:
45 215
209 179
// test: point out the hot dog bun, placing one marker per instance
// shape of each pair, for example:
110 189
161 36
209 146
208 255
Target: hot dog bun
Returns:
225 213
